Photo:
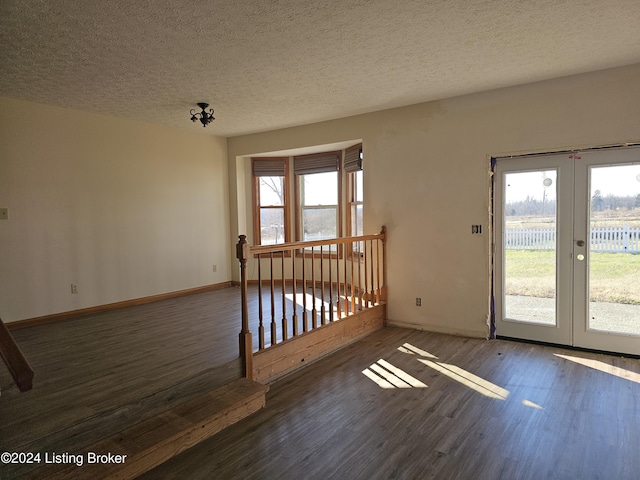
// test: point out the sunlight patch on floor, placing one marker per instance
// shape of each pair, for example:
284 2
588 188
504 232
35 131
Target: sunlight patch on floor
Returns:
390 376
603 367
468 379
311 301
412 350
529 403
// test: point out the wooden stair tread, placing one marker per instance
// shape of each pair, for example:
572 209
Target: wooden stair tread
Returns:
163 436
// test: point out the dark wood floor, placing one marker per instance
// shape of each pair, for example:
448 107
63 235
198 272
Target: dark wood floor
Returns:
480 410
97 374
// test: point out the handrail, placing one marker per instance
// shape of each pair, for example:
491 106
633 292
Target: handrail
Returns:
344 279
285 247
15 360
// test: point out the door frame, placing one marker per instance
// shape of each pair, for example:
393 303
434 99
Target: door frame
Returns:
562 332
574 227
583 337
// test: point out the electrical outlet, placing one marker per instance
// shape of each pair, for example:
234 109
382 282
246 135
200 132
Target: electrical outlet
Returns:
418 302
74 288
215 267
4 214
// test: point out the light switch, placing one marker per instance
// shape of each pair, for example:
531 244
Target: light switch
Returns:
4 214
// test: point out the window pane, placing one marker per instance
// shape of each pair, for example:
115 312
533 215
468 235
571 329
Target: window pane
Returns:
356 220
614 263
271 191
319 223
320 189
530 219
271 226
358 186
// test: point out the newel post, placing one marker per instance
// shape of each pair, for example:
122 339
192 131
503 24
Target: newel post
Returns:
246 343
383 290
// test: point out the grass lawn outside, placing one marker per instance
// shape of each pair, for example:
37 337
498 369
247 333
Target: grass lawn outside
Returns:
614 277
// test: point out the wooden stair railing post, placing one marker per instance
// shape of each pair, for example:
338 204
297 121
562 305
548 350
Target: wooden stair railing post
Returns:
372 293
305 315
365 295
338 302
274 327
359 257
246 343
260 315
353 285
330 285
314 312
346 294
15 360
323 310
285 332
296 326
383 288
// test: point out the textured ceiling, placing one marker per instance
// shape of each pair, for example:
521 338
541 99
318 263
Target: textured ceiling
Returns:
270 64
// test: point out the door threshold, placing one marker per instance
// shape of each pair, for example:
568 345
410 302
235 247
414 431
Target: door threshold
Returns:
568 347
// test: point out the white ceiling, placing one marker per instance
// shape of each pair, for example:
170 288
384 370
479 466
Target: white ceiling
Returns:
264 65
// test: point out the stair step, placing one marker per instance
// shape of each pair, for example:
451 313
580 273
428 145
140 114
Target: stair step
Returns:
141 447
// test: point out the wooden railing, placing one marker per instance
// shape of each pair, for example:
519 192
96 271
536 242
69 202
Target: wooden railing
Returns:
15 361
300 287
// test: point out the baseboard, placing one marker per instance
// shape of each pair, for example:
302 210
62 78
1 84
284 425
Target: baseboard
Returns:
439 329
55 317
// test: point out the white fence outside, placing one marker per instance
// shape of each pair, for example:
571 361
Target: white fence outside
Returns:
613 240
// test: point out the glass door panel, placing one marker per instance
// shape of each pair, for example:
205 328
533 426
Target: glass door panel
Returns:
532 199
529 237
567 264
614 249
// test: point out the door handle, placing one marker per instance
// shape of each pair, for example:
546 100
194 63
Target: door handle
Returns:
580 243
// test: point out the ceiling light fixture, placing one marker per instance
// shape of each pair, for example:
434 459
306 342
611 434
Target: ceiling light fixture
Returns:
205 117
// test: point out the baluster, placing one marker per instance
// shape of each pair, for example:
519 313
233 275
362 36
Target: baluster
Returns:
366 279
296 328
372 294
346 295
383 285
323 310
377 271
353 287
285 333
338 302
305 314
314 312
274 327
260 325
330 286
360 296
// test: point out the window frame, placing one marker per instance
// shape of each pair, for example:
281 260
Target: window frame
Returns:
298 191
257 206
351 188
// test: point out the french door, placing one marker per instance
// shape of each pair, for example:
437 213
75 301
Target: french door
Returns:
567 249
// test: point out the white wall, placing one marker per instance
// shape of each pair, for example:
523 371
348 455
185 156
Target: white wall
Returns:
122 208
426 179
